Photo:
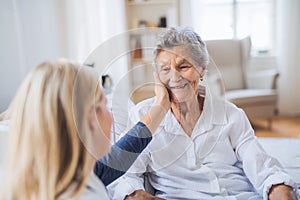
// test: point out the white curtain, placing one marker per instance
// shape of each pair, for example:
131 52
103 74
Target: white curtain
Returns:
288 56
191 14
34 31
88 23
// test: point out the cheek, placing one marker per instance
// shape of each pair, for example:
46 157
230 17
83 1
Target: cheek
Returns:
100 133
164 77
109 123
191 76
105 121
193 79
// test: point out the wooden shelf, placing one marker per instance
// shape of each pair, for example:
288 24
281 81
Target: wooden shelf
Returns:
150 12
141 60
142 41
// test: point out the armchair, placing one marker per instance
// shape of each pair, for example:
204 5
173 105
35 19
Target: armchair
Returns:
250 91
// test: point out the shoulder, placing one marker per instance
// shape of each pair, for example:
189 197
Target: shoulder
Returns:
238 123
94 190
234 113
237 119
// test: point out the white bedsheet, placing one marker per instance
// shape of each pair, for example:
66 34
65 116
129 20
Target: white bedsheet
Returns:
287 151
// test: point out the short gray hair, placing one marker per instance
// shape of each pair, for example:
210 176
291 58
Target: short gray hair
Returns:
173 37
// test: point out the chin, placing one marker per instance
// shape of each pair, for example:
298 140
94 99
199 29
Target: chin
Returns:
182 97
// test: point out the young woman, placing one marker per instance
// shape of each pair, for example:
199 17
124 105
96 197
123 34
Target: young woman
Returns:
59 127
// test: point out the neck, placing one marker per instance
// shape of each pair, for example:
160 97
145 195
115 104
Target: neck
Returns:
182 109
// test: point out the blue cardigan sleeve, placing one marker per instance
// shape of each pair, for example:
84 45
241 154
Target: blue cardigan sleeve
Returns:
123 154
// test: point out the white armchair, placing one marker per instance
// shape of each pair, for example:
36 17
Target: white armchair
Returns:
250 91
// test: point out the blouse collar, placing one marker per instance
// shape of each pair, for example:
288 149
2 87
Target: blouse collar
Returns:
213 113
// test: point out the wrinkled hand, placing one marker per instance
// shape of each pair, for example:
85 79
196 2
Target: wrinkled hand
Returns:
161 92
141 195
282 192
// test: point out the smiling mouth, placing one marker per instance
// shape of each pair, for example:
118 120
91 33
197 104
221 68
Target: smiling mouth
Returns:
179 87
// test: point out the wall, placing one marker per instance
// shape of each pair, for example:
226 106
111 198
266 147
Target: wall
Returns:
11 72
29 34
288 60
33 31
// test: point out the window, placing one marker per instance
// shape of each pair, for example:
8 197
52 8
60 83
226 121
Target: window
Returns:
224 19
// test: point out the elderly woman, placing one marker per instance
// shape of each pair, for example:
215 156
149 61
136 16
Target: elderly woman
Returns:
59 127
205 148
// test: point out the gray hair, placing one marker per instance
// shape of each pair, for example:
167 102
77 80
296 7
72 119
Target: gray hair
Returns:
173 37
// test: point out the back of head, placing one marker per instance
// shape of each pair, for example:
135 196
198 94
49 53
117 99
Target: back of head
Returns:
173 37
46 155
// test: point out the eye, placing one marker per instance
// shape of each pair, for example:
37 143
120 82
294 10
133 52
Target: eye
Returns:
184 67
165 69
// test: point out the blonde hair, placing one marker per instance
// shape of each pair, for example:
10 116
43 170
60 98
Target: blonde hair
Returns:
46 156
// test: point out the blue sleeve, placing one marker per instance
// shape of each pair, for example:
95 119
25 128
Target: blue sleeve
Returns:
123 154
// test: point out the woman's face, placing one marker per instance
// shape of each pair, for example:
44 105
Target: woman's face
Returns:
178 72
102 136
104 117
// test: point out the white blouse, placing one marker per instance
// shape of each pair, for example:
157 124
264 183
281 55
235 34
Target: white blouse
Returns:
94 190
222 159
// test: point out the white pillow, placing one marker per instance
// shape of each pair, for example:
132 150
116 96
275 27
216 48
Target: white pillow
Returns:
119 107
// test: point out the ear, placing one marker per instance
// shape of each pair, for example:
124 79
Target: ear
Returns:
202 71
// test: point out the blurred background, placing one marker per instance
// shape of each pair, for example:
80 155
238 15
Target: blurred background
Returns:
33 31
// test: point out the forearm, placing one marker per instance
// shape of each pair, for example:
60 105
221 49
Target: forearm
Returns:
155 115
128 148
123 154
157 112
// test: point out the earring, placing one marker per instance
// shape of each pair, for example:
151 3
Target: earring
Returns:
202 77
202 81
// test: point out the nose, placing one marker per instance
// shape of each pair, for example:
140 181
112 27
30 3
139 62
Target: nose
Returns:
175 75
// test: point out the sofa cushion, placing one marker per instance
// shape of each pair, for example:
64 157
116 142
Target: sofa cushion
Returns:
252 97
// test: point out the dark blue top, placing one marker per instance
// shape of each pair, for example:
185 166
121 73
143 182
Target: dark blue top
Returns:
123 154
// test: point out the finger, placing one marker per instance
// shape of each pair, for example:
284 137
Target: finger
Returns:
157 80
156 77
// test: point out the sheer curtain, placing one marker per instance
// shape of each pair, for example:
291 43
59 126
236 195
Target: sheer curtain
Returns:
288 56
89 23
36 31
